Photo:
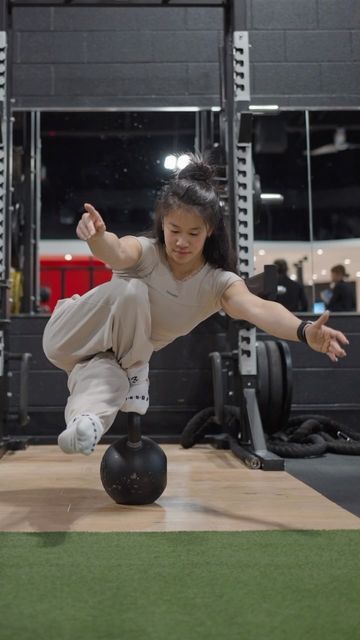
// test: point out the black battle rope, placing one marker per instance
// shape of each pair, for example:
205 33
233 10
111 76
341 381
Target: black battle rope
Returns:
305 435
293 442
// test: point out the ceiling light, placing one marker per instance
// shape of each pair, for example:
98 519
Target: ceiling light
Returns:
263 107
170 162
272 197
183 161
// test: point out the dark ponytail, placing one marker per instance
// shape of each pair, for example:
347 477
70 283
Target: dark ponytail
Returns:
194 187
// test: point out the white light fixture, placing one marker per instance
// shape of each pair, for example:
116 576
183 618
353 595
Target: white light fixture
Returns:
272 197
68 256
293 276
263 107
358 274
261 252
320 252
347 261
173 162
170 162
314 276
323 272
183 161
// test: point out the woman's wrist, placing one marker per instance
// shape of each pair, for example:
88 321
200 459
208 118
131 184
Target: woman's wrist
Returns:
301 331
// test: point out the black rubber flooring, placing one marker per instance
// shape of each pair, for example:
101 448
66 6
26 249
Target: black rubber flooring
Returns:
337 477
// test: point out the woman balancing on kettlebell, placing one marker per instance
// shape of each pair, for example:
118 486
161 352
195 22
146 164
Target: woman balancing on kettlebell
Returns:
162 287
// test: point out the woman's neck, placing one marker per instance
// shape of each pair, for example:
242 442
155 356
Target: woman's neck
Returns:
185 271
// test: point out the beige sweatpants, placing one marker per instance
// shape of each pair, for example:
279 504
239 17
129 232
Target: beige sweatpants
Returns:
95 337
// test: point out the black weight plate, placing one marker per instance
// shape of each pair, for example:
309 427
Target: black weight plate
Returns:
287 382
262 391
273 422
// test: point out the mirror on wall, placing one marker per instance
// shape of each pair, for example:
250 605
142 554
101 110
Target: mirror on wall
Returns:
308 162
117 161
334 159
305 167
282 229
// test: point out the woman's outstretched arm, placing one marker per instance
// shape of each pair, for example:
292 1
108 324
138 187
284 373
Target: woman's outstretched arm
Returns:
275 319
119 253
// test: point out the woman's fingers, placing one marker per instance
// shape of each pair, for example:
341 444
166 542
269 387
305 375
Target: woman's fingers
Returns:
342 338
91 211
90 223
94 215
321 320
335 349
86 228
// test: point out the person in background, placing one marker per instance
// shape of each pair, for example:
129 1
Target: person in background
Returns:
342 297
45 295
291 294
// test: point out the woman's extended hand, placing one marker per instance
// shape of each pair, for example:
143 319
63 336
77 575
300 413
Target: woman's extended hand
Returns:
324 339
90 224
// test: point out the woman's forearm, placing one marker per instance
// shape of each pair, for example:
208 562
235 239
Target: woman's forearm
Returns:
275 319
106 247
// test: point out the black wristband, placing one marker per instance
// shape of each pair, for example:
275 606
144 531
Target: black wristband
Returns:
300 332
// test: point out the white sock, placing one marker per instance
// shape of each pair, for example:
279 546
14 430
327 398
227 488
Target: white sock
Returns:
81 434
137 398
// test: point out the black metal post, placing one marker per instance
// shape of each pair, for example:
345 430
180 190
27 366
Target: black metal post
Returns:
31 151
4 221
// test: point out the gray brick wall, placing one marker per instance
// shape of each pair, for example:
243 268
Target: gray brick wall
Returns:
304 53
116 57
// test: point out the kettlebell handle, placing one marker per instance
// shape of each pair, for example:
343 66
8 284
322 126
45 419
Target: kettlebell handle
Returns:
134 431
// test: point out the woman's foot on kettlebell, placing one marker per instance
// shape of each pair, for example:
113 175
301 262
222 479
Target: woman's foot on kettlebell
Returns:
137 398
81 434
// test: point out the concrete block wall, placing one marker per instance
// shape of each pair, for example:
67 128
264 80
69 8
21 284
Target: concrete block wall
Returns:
181 380
303 54
116 57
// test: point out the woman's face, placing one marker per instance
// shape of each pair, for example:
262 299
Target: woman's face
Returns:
185 233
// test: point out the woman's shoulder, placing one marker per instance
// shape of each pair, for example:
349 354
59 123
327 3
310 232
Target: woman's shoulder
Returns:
149 258
151 247
219 274
148 241
220 279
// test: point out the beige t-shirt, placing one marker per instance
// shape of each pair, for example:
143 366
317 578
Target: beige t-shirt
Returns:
176 306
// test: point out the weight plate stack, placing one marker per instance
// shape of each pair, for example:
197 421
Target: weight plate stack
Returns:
274 391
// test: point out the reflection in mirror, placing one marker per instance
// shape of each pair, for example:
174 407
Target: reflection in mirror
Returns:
335 186
117 161
282 223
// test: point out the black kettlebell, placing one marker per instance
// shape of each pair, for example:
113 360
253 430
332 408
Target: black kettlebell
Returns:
133 469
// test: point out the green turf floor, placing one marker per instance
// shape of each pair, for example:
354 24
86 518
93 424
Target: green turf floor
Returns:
191 586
